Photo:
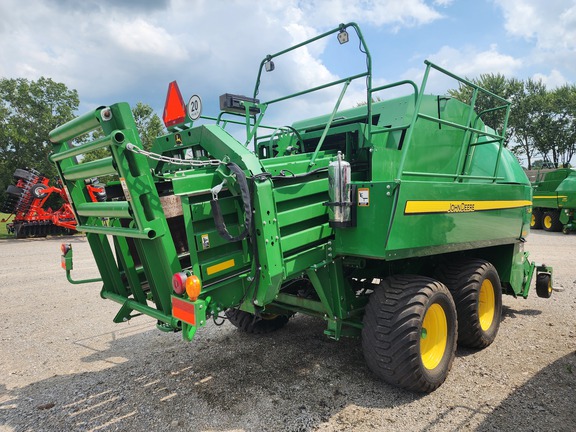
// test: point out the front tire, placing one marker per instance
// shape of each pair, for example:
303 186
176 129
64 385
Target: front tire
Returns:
409 333
475 287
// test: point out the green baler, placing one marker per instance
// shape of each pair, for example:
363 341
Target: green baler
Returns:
401 221
554 200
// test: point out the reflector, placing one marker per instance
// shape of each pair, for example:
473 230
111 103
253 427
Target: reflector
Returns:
174 108
179 282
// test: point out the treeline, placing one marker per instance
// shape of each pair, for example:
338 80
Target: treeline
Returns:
542 122
29 110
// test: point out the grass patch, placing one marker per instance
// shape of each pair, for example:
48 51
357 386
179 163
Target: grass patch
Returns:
3 231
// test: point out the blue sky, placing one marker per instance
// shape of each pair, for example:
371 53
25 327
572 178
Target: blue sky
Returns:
114 50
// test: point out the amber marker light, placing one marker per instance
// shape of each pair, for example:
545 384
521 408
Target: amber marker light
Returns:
193 287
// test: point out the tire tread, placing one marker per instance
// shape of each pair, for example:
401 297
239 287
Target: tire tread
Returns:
392 323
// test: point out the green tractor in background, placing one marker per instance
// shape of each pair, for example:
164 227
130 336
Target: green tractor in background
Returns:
554 200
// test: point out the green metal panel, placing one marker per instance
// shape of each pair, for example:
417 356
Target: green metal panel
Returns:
368 238
435 218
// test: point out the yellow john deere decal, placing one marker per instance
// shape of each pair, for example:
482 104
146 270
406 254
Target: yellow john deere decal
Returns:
220 267
419 207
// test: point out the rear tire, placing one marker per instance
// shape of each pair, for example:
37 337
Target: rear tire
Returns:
409 333
249 323
475 287
536 221
551 221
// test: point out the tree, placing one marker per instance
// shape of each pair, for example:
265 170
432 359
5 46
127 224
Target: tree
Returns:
148 123
562 105
29 110
541 121
528 111
149 128
496 84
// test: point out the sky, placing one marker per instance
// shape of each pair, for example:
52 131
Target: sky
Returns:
129 50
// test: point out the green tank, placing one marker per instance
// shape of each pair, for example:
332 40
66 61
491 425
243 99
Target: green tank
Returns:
554 200
401 221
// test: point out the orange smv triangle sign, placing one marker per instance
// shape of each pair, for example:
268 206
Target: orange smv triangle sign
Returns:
174 108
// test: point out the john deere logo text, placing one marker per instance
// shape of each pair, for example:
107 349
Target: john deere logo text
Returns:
441 206
461 208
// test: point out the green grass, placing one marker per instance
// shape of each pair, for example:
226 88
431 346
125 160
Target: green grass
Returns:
3 231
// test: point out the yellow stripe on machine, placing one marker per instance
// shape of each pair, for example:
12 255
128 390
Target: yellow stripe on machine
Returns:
220 267
420 207
550 197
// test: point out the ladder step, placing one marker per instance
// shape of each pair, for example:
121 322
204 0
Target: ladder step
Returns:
110 209
90 169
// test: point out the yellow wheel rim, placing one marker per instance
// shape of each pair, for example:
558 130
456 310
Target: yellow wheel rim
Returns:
547 221
533 221
486 304
433 336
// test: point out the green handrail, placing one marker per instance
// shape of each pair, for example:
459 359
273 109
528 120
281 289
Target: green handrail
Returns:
328 124
368 73
469 127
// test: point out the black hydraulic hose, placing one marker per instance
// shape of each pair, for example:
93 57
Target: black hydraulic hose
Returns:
217 212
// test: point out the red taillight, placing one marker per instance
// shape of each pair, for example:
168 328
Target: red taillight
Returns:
179 282
174 108
65 248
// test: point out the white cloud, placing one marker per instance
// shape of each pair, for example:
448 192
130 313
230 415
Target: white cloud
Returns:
110 52
553 80
144 38
550 24
471 63
466 63
406 13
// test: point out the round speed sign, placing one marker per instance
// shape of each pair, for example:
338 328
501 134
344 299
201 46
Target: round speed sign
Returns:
194 107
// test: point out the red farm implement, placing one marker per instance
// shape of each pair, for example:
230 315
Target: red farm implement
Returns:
27 202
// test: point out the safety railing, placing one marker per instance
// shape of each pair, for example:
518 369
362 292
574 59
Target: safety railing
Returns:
268 65
473 136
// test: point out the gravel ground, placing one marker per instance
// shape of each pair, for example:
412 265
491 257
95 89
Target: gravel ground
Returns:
66 366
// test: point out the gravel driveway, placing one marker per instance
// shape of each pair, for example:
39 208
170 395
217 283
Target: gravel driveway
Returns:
66 366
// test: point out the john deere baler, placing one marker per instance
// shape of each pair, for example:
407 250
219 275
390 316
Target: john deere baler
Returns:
401 221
